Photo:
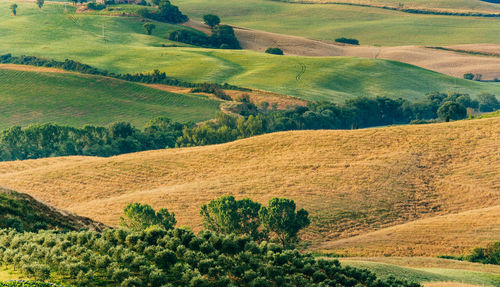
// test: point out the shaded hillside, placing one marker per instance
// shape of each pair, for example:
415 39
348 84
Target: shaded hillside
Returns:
352 182
22 212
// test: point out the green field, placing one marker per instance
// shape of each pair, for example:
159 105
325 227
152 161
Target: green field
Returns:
428 274
55 34
448 5
371 26
73 99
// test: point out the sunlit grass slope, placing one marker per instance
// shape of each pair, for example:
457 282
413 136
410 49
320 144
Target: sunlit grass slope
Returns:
371 26
28 97
433 5
54 34
352 182
426 270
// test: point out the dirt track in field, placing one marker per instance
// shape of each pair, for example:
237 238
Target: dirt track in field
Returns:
447 62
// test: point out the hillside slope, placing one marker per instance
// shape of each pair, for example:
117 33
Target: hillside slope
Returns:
36 95
352 182
126 49
23 212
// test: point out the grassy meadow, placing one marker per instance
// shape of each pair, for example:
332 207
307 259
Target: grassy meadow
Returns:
440 271
73 99
127 49
439 5
371 26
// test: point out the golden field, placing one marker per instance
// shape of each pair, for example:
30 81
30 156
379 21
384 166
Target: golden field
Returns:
403 190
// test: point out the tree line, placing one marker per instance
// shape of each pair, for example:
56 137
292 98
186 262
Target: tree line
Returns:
155 77
149 251
47 140
222 36
485 255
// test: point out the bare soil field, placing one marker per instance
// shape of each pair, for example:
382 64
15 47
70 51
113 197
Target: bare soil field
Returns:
447 62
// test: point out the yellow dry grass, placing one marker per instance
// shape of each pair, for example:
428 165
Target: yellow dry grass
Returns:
352 182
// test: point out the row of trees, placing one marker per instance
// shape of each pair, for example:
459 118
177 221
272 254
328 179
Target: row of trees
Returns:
149 251
486 255
46 140
222 36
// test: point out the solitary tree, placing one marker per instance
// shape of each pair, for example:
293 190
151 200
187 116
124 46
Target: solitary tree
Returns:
40 3
149 27
228 215
13 8
141 216
211 20
451 111
281 219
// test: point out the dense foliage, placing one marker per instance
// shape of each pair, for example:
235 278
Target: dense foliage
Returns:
278 221
347 41
175 257
141 216
211 20
166 12
46 140
222 38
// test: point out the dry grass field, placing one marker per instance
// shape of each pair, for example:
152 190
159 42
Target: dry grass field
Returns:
352 182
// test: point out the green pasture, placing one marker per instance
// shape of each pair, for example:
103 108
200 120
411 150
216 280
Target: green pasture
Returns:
371 26
76 100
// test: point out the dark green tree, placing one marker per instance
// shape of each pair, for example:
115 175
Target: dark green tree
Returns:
149 27
141 216
488 102
228 215
211 20
280 219
274 51
40 3
13 8
451 111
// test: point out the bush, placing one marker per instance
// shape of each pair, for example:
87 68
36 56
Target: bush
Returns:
350 41
452 111
96 6
274 51
190 37
468 76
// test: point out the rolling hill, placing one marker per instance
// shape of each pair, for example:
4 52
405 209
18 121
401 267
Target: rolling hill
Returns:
39 95
371 26
479 6
352 182
32 215
127 50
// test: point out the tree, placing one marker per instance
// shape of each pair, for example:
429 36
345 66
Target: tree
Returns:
149 27
451 111
13 8
141 216
488 102
274 51
468 76
228 215
40 3
211 20
281 219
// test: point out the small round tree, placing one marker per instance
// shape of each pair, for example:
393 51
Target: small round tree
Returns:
211 20
13 8
451 111
149 27
274 51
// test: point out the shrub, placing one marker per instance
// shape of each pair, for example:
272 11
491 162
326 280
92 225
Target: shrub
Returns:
274 51
96 6
452 111
211 20
468 76
350 41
